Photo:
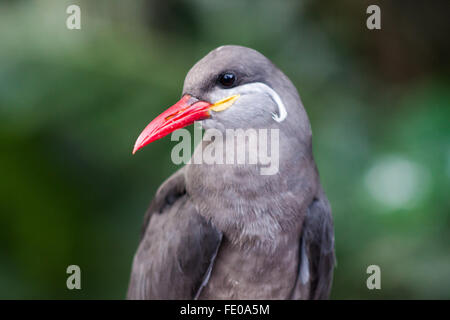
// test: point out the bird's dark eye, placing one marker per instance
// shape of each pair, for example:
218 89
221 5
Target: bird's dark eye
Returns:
227 79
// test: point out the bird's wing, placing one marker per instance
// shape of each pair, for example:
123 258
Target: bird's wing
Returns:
177 249
317 259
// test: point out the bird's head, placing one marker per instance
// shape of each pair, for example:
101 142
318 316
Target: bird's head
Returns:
231 87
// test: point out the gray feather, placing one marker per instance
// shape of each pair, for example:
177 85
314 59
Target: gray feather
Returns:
317 252
177 247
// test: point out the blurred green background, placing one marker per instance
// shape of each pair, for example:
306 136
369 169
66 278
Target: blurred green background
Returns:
72 103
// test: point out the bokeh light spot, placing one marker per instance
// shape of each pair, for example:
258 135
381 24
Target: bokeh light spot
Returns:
397 182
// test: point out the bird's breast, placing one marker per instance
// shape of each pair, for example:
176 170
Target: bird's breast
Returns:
242 274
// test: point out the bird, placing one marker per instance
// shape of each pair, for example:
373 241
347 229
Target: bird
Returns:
226 231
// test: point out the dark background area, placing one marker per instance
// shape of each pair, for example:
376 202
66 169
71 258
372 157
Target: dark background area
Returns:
72 103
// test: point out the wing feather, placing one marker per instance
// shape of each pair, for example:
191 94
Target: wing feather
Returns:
177 248
317 258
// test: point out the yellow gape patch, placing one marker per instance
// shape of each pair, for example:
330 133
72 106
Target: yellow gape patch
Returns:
224 103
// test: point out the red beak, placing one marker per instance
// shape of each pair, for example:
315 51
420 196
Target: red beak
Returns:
180 115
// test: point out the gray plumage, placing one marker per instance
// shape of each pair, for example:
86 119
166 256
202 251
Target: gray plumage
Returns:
226 231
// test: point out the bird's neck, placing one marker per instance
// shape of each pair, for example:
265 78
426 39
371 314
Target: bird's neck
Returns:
252 209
